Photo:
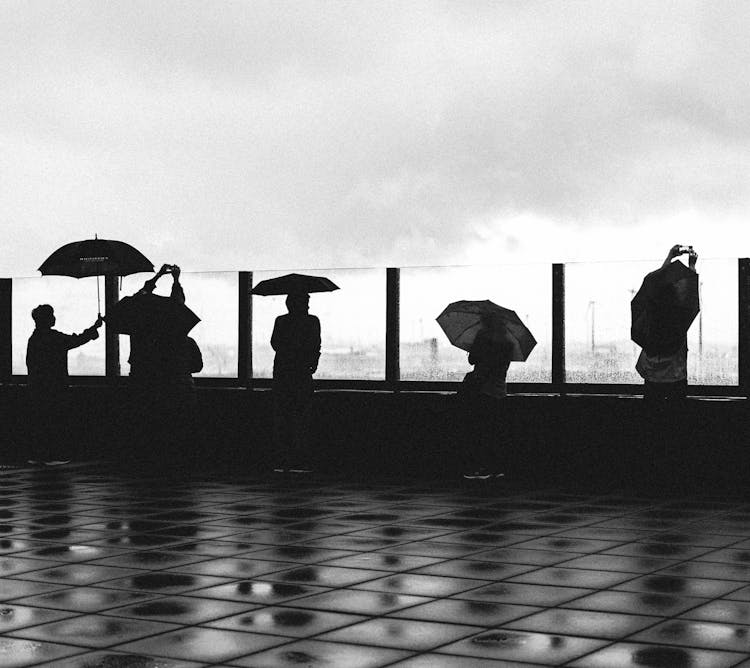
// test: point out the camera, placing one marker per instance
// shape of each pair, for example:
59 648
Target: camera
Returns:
685 249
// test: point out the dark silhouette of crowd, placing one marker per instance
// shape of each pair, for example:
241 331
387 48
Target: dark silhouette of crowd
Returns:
163 359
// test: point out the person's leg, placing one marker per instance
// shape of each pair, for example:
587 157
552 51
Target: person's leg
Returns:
655 391
38 427
283 419
466 426
491 442
303 423
676 390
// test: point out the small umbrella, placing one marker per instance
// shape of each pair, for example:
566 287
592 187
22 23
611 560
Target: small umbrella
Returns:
664 308
462 321
151 314
95 257
294 284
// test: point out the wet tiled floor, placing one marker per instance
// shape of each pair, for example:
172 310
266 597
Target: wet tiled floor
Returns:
103 569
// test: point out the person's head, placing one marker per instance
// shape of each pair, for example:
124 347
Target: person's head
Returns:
298 303
44 316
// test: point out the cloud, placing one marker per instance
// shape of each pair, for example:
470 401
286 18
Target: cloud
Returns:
294 134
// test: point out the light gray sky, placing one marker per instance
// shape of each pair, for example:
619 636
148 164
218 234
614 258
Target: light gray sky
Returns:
275 134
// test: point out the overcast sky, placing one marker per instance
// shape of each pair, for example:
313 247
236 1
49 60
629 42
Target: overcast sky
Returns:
246 135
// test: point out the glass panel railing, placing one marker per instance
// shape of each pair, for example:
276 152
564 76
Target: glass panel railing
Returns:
426 353
74 303
213 298
352 324
712 340
597 323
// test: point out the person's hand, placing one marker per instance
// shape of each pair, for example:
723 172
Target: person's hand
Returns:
175 272
99 322
675 251
692 259
164 269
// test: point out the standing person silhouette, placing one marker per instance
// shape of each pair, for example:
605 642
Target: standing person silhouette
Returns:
161 365
296 341
665 373
150 354
47 364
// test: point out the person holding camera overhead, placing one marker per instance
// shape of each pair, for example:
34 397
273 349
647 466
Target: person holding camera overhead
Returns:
665 373
161 368
148 361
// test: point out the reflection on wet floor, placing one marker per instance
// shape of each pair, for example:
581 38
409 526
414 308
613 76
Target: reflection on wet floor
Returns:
99 570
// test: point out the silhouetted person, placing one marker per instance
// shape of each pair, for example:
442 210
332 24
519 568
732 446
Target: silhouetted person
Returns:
481 398
665 373
47 364
161 367
152 355
296 340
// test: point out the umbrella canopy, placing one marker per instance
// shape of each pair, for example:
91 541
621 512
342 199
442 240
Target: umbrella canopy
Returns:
294 284
95 257
151 314
462 321
664 308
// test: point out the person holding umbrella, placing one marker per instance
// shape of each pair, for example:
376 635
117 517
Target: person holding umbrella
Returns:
663 360
494 336
482 393
47 364
296 342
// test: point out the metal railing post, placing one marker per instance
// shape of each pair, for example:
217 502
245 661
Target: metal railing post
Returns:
392 326
6 329
111 338
743 333
558 328
245 330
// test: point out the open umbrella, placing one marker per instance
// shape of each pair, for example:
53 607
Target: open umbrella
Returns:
664 308
95 257
294 284
462 321
147 313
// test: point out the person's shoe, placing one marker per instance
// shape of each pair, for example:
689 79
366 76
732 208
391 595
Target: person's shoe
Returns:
479 474
57 462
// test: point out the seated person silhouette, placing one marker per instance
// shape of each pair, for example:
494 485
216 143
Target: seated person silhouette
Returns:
296 340
47 364
481 399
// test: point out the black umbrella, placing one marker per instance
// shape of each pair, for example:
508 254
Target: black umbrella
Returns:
151 314
95 257
664 308
294 284
462 321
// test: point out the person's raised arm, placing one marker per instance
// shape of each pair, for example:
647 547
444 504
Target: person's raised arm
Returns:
177 293
70 341
150 285
673 253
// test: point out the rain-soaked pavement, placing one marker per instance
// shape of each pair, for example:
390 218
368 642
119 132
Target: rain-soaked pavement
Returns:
100 569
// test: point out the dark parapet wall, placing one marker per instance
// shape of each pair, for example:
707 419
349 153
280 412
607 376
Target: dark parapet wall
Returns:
592 440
